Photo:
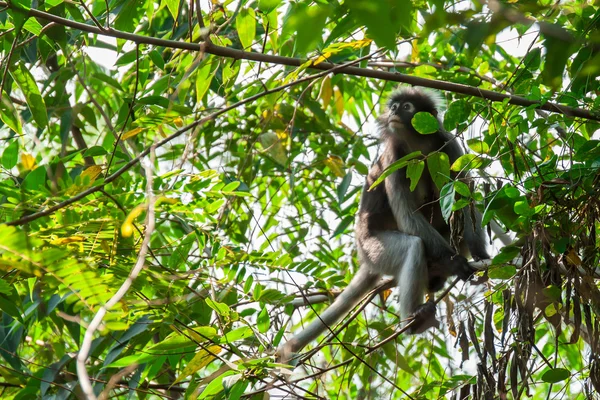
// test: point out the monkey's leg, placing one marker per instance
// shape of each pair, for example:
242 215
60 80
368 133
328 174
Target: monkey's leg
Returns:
362 283
402 256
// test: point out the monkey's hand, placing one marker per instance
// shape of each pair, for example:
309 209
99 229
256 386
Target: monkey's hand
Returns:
423 318
461 268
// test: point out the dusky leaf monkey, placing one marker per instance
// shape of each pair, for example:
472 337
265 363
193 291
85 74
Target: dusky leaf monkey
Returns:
399 232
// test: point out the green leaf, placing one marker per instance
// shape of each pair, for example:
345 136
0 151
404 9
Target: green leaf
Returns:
10 155
555 375
9 115
266 6
447 200
215 386
507 254
130 15
204 77
462 188
173 6
306 24
245 23
383 19
502 272
220 308
414 170
558 52
107 79
401 163
522 207
157 59
263 321
438 165
425 123
477 145
457 113
35 179
467 162
26 83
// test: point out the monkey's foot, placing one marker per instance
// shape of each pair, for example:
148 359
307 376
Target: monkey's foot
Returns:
423 318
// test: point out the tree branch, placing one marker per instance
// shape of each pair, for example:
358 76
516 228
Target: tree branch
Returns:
236 54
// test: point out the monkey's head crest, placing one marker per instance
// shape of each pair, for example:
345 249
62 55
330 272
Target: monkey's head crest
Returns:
405 102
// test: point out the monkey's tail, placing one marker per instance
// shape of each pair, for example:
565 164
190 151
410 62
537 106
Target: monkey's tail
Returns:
363 282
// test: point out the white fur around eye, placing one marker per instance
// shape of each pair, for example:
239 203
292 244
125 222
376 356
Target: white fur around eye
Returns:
408 106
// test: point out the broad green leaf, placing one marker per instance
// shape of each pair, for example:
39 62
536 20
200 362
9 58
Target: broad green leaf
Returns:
507 254
413 172
245 24
305 24
558 52
157 59
477 145
502 272
555 375
462 188
467 162
130 15
266 6
220 308
447 200
32 94
438 165
425 123
215 386
35 179
458 112
10 155
33 26
204 77
401 163
9 115
263 321
383 19
173 7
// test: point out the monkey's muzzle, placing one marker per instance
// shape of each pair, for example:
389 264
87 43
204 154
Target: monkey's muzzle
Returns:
395 123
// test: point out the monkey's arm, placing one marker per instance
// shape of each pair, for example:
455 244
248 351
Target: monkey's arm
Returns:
413 222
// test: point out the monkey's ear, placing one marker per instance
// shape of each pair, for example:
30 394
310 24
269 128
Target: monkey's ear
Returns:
435 113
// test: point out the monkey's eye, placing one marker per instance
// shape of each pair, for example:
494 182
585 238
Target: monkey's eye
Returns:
394 107
408 107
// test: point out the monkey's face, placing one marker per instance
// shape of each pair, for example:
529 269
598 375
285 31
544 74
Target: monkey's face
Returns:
400 115
402 107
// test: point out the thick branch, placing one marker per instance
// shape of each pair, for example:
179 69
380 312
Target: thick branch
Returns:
210 48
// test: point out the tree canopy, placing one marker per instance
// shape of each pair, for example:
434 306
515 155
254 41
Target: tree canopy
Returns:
179 178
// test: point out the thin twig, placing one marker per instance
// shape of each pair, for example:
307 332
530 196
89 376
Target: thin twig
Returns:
84 378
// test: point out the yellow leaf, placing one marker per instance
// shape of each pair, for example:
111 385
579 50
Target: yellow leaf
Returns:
131 133
201 359
67 240
91 172
573 258
178 122
336 165
385 294
326 91
28 161
339 101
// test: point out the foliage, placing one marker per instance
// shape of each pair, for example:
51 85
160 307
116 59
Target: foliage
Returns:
255 186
